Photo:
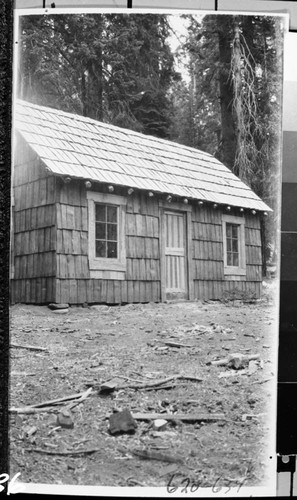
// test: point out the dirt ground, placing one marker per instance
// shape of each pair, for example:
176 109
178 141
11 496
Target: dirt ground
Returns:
90 345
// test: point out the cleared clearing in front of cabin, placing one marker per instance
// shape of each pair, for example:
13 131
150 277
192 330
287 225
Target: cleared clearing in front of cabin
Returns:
136 344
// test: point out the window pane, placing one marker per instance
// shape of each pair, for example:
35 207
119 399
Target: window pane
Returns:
111 214
100 212
229 230
100 231
229 245
235 245
100 248
235 259
234 231
112 232
112 250
229 259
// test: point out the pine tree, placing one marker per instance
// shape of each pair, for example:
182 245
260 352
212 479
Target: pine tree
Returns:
112 67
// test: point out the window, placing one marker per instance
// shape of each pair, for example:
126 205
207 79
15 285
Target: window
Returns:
234 245
232 236
106 231
106 223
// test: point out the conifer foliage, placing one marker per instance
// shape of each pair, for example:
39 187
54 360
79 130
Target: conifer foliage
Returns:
112 67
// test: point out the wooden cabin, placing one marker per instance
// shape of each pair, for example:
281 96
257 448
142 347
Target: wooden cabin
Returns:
102 214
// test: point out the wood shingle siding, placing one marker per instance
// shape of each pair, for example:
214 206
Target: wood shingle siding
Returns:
34 222
142 251
107 291
210 281
35 194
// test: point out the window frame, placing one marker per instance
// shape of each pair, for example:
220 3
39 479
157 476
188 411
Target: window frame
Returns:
239 270
106 223
106 263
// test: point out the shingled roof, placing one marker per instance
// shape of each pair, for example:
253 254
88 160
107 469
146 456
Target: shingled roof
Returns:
79 147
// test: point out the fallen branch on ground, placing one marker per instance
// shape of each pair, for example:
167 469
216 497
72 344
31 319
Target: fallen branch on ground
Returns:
189 377
28 410
60 400
225 361
162 387
233 374
149 385
160 382
62 453
180 416
47 405
262 381
175 344
157 382
128 378
23 374
80 400
152 455
30 347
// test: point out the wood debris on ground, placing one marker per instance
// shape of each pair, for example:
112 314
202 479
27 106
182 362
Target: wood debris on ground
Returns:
113 385
29 347
235 360
63 453
122 422
187 417
99 363
47 405
149 454
65 419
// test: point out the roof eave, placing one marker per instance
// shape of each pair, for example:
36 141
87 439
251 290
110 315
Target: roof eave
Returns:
265 208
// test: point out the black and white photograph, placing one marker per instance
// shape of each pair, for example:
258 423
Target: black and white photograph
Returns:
144 250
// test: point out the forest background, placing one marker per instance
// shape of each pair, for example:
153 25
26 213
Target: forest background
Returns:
214 84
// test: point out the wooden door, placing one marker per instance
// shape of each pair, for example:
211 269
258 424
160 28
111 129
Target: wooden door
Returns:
176 281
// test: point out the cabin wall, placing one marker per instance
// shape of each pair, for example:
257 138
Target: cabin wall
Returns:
208 256
142 281
50 261
33 259
142 278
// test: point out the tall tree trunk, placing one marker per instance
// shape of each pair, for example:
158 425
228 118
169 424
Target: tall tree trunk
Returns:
227 149
94 80
83 94
239 119
192 104
95 90
263 247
